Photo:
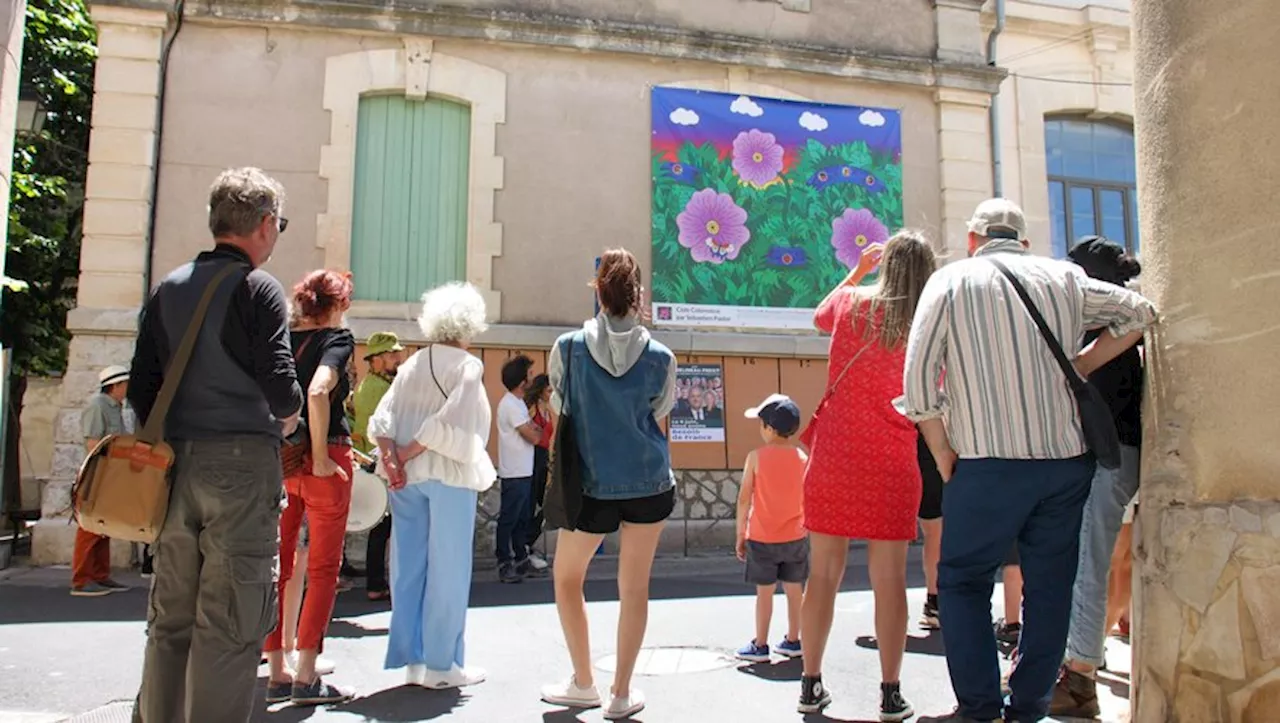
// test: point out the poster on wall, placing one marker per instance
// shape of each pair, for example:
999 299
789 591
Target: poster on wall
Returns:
761 205
699 412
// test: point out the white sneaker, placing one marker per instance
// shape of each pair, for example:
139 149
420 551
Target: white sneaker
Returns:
571 695
414 674
537 562
621 707
455 678
324 666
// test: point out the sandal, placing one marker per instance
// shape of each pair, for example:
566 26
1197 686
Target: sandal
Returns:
378 595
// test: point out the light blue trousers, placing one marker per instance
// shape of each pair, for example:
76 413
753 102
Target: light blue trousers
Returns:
1103 515
431 547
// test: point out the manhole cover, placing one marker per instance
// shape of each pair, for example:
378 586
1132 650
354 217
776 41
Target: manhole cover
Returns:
120 711
672 661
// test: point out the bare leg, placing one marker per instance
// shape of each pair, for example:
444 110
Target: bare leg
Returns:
1012 594
1120 583
635 563
795 599
932 552
293 598
887 563
764 612
574 551
827 556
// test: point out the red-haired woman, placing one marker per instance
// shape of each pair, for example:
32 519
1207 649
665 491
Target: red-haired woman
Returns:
322 349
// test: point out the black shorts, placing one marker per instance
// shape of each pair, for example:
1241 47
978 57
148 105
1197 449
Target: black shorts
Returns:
1012 559
769 562
931 497
600 517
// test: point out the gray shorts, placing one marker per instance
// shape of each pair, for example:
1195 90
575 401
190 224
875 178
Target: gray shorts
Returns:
771 562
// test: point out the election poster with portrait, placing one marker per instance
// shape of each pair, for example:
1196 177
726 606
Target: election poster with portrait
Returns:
699 412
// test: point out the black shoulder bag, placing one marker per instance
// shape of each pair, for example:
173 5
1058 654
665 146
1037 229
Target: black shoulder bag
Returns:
1096 420
563 502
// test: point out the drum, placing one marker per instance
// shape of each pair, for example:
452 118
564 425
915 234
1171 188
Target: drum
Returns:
368 501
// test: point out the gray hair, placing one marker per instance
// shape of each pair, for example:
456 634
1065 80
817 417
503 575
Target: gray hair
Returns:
240 198
453 312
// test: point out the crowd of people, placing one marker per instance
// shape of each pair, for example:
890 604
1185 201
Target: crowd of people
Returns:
945 413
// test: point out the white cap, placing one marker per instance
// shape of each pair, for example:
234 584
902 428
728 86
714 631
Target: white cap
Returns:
754 412
999 218
112 375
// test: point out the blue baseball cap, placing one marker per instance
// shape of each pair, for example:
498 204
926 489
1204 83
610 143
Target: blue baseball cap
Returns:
779 412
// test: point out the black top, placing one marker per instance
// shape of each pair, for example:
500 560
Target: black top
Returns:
330 348
241 378
1120 382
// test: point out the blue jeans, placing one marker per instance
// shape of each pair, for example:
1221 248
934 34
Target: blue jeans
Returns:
1103 516
989 505
514 519
431 548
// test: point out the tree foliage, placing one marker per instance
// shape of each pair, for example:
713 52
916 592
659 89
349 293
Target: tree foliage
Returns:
47 200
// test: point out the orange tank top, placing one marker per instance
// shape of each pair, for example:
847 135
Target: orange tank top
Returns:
777 501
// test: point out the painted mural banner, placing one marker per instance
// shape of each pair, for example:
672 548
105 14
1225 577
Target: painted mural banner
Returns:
761 205
699 412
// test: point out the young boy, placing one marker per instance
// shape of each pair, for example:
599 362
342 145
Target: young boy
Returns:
771 535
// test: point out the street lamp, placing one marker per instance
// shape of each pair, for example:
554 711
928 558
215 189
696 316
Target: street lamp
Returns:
31 112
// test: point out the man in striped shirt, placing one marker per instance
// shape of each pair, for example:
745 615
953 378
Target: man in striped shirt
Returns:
1005 432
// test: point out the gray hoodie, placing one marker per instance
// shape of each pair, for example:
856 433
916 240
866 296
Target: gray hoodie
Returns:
615 343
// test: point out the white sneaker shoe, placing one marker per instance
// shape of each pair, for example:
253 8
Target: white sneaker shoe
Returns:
571 695
622 707
455 678
324 666
537 562
414 674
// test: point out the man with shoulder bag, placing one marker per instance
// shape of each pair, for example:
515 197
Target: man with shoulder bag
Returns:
213 592
1016 432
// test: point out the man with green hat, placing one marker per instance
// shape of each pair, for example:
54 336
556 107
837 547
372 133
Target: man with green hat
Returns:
384 354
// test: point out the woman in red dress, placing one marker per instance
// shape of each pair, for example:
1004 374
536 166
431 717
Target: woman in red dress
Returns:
863 479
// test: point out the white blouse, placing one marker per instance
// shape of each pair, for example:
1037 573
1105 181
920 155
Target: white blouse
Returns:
453 426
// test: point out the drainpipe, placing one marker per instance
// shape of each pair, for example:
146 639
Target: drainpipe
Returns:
178 11
997 184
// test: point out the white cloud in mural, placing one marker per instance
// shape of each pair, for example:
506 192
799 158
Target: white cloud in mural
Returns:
813 121
745 106
871 118
684 117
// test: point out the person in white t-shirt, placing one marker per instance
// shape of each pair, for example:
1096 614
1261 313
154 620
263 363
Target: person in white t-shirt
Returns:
516 436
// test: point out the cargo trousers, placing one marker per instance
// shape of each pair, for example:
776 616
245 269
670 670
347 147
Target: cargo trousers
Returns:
213 594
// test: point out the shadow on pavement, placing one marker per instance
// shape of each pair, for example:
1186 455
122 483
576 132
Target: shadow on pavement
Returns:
393 705
824 718
930 644
787 671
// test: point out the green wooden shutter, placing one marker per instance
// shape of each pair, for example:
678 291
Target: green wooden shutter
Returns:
409 216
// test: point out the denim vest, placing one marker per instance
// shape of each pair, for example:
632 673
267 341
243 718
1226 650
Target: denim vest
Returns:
625 453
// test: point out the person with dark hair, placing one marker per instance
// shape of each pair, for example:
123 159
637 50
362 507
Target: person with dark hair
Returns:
617 384
517 435
538 398
321 490
213 592
1120 381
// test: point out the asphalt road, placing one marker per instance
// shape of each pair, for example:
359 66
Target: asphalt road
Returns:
64 658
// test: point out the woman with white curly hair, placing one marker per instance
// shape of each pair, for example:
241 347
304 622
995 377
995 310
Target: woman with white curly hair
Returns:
431 429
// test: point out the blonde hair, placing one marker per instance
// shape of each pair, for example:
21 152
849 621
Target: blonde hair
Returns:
905 266
453 312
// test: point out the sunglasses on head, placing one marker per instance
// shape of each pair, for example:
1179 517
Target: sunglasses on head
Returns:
282 223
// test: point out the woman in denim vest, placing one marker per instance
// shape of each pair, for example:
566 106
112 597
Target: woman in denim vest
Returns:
621 383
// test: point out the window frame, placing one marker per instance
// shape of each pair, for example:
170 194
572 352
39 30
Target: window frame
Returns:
1128 191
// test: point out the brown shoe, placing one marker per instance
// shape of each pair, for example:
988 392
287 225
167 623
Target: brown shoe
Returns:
1075 696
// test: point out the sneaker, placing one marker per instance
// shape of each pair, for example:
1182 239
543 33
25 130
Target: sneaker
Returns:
415 674
318 692
538 561
113 585
571 695
622 707
526 568
1074 696
324 666
929 619
753 653
814 696
507 573
91 589
893 707
455 678
279 692
1008 632
789 648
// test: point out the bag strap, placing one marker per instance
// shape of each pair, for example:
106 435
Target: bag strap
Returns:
839 378
153 430
568 368
431 364
1068 369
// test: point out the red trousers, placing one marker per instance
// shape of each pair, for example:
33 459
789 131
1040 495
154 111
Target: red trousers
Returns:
325 502
90 558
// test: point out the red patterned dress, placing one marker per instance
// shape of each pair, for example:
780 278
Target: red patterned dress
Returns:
863 479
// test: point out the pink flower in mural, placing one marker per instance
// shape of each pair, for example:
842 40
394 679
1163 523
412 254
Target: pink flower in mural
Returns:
853 231
757 157
713 227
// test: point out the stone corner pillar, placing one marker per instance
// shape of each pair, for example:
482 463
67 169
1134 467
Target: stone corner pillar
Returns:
964 157
1207 559
113 252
